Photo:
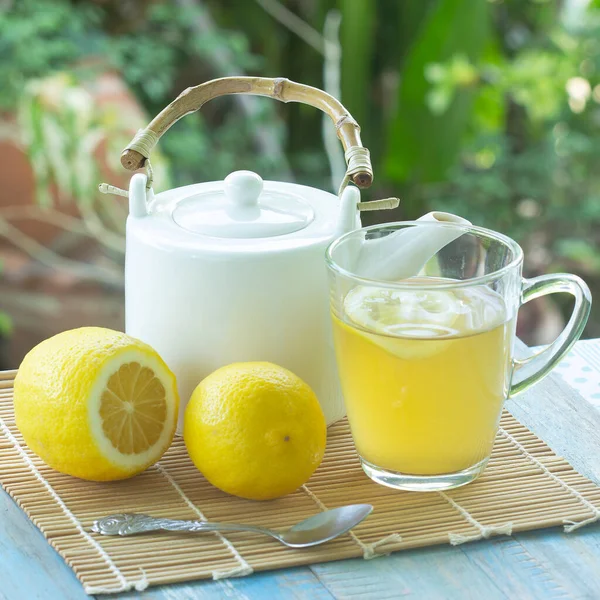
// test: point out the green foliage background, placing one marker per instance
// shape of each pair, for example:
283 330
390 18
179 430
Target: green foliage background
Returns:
490 109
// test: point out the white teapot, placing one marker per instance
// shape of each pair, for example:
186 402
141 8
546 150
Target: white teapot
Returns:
234 270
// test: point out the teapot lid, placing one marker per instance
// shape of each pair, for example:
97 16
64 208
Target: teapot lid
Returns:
242 209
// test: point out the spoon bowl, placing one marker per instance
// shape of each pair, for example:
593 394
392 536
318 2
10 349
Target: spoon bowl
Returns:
325 526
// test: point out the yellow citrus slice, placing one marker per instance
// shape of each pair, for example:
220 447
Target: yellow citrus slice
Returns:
410 324
96 403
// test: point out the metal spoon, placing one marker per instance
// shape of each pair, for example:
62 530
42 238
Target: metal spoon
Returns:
315 530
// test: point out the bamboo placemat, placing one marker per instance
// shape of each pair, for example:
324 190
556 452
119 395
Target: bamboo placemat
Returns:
525 486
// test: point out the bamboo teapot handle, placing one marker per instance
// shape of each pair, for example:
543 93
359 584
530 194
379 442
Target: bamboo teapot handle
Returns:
357 157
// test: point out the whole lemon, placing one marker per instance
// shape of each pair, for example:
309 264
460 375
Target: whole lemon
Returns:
96 403
255 430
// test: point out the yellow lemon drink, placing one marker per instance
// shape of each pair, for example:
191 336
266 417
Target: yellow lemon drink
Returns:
424 375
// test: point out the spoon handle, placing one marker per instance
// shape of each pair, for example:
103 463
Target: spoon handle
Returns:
130 524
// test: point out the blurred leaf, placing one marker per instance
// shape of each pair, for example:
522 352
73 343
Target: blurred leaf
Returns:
146 65
411 18
357 39
489 110
446 80
39 36
421 145
580 251
436 73
6 325
55 151
64 128
536 80
438 99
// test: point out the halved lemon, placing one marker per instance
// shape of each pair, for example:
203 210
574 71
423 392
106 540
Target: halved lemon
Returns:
96 403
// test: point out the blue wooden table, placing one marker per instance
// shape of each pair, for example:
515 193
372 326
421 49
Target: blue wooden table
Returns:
543 564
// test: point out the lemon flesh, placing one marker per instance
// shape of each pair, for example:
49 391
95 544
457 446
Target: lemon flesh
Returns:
399 320
96 404
255 430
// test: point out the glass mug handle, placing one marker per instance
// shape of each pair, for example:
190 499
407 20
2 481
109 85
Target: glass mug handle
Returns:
530 370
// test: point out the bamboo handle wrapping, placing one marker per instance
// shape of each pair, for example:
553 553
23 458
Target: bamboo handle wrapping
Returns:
282 89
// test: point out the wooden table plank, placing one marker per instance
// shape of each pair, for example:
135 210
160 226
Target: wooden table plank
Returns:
516 569
439 573
565 420
573 558
546 564
29 567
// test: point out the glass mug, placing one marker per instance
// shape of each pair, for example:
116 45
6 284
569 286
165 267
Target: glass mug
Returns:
424 318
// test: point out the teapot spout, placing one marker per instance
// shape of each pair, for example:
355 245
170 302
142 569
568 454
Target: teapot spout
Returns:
404 253
444 217
349 216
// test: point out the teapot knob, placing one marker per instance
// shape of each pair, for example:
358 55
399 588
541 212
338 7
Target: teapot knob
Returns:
243 188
